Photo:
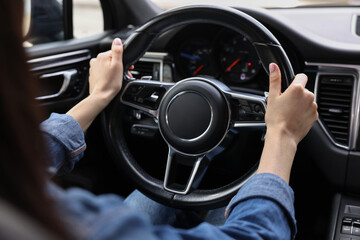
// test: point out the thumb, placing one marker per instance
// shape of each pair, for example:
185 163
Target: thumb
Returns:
274 80
116 51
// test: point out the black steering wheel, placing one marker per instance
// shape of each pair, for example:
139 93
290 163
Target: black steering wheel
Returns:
193 115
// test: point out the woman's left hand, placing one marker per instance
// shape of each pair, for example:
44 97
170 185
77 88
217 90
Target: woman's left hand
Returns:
106 72
105 80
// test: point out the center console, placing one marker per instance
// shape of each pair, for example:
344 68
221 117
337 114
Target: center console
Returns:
345 218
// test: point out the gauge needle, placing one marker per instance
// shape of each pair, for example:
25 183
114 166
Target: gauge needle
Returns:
198 70
232 65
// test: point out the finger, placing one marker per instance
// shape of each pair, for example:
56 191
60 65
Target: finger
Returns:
104 55
274 80
309 96
129 74
132 67
300 79
116 51
92 61
100 55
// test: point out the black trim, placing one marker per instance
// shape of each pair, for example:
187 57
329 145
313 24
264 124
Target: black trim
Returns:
107 14
68 19
131 12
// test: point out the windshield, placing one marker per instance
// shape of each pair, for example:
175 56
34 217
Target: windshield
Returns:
166 4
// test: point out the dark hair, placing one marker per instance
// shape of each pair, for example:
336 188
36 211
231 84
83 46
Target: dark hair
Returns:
22 157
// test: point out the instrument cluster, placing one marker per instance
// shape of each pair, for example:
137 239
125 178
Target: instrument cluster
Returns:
216 52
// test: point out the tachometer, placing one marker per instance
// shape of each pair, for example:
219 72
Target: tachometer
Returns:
238 58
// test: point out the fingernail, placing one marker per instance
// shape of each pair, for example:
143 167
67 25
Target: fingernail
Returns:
117 41
271 67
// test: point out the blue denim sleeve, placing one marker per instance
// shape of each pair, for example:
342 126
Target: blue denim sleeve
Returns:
262 209
65 142
257 195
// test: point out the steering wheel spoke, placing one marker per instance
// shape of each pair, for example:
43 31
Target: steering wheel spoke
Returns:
183 173
144 95
248 110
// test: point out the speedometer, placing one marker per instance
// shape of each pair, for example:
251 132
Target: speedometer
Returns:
238 58
196 58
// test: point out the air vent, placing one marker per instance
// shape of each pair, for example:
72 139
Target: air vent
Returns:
143 69
334 99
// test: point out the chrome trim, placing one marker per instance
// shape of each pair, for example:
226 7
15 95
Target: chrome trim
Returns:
190 179
211 119
59 59
349 70
250 125
155 55
68 74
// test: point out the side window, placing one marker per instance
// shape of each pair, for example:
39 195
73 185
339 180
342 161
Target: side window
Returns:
48 20
87 18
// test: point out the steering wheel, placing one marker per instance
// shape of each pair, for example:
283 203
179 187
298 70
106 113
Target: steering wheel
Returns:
193 115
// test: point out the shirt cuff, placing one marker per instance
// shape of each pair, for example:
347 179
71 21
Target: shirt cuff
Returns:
65 130
269 186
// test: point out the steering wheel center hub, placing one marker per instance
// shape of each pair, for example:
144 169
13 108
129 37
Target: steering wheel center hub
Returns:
194 116
189 115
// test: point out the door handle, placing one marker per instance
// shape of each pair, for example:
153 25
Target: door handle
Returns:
66 77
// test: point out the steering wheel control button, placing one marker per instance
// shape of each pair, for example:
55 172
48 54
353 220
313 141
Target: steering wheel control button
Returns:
194 116
346 226
356 227
143 95
248 111
143 130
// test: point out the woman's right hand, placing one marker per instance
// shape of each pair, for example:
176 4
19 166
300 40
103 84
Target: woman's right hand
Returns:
293 112
289 117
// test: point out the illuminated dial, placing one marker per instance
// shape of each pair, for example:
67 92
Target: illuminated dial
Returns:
196 58
238 59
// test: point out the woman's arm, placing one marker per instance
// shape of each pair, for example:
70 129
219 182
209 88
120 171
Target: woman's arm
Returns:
64 133
289 117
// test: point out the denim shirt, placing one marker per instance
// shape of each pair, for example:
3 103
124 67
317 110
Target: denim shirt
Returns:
262 209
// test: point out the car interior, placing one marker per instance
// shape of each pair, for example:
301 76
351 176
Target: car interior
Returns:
188 129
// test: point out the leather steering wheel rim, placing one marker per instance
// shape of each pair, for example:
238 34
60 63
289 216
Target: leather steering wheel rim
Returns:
268 49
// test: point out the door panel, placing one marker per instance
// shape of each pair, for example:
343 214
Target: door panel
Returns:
61 70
